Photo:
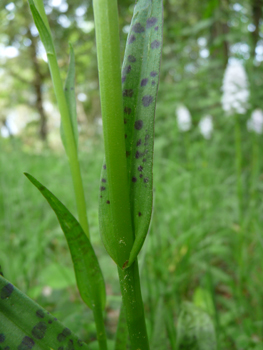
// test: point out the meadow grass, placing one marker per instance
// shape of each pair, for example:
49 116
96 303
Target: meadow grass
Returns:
193 243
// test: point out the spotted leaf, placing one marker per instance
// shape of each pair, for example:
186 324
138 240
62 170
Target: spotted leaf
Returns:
87 270
140 77
24 325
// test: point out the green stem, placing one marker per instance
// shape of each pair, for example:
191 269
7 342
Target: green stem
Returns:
67 126
255 168
240 258
108 53
134 310
99 321
238 168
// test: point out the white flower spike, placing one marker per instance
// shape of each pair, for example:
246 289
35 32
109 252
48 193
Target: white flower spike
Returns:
184 120
255 123
235 89
206 126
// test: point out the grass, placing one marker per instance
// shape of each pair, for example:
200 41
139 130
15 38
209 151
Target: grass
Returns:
193 241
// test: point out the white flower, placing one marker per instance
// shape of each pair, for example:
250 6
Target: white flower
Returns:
255 123
235 89
47 291
206 126
183 118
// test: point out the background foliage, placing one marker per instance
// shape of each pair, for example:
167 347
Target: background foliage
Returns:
193 249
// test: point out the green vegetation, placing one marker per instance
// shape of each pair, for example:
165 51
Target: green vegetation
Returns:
202 258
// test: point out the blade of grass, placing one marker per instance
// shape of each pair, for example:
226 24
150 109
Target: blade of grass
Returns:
87 270
24 324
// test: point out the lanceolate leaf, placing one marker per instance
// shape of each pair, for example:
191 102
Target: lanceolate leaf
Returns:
71 100
24 325
42 29
140 77
87 270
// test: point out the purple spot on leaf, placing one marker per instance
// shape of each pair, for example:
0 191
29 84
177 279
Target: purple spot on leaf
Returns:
26 344
104 166
132 38
131 58
134 179
144 82
155 44
108 202
146 180
153 74
153 82
140 168
138 28
139 214
151 22
127 110
144 160
127 93
6 291
156 28
123 79
102 188
139 142
126 70
103 180
39 330
138 124
40 313
147 100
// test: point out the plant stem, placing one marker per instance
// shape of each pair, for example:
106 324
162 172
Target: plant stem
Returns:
99 321
134 310
108 53
238 168
65 119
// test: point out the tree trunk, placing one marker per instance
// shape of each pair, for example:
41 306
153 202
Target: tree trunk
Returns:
256 16
38 79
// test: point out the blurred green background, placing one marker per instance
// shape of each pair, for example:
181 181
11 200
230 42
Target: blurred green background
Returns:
201 247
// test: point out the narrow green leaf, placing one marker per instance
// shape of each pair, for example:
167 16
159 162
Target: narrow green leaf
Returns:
122 331
44 33
87 270
71 100
140 77
25 325
195 329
